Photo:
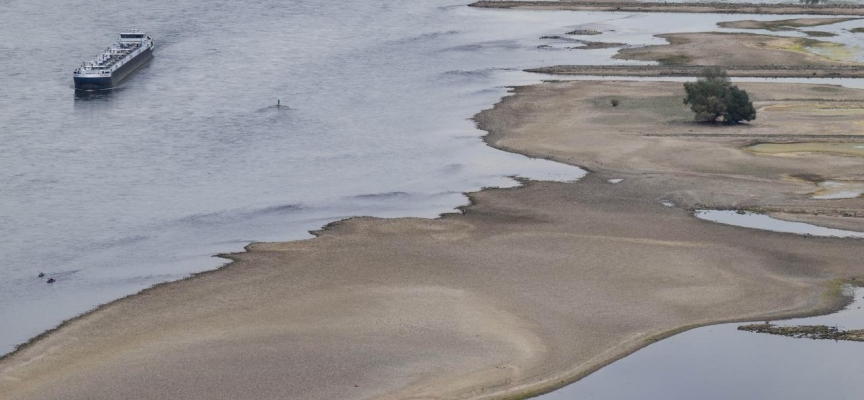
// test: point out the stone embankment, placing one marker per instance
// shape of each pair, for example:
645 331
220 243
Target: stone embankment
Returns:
756 71
690 7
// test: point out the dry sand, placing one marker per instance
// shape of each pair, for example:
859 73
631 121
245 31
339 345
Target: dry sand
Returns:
651 131
529 289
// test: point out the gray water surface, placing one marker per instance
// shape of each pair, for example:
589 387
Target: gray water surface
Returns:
720 363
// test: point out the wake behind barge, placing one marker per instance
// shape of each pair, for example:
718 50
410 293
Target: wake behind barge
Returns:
117 62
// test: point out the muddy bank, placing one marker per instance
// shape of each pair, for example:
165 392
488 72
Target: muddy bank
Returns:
717 8
755 71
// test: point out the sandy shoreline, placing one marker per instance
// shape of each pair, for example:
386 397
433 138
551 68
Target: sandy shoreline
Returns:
715 8
529 289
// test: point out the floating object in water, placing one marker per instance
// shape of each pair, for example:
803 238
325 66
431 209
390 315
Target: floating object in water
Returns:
41 274
51 280
278 103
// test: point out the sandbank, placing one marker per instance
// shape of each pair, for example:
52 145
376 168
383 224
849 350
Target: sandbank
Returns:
526 290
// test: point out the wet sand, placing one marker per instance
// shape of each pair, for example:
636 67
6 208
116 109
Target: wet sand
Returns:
529 289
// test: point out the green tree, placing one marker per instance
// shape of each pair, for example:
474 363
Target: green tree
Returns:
713 98
738 106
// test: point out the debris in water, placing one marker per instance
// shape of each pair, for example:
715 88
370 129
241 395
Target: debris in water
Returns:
806 331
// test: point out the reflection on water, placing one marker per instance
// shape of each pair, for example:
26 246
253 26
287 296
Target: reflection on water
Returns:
721 363
82 96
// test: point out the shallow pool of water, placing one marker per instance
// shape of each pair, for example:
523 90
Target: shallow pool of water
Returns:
720 362
764 222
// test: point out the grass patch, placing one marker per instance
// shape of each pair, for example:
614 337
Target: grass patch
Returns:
674 59
825 89
857 30
829 50
630 110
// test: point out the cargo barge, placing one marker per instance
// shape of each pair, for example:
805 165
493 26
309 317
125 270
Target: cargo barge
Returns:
133 50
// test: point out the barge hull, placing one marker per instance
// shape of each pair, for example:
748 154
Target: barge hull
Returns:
108 82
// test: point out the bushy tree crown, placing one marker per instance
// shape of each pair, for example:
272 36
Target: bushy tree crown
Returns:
713 98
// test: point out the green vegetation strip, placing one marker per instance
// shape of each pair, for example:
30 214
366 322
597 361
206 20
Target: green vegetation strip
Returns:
806 331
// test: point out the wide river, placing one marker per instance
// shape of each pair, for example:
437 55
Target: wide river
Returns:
111 193
114 192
